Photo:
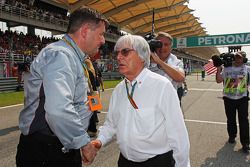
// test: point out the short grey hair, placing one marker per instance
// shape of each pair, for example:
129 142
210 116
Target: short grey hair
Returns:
138 43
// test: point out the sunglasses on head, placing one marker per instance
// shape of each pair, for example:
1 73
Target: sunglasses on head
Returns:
124 52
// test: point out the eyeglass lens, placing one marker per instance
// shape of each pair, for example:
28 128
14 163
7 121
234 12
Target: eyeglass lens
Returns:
124 52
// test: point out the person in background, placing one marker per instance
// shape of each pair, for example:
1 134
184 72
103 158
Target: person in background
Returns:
203 74
165 63
14 70
182 90
144 113
235 80
55 117
92 131
99 76
25 76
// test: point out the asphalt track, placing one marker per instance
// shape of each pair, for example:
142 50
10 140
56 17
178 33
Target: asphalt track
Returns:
204 116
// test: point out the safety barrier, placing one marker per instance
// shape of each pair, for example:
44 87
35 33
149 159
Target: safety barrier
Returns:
111 75
8 84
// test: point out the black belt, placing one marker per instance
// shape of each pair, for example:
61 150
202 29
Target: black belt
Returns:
159 160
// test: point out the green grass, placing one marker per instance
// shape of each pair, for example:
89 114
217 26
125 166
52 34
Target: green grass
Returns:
111 83
11 98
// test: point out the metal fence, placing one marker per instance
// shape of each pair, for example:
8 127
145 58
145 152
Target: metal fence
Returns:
11 84
8 84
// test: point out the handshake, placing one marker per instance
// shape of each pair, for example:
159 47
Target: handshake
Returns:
89 151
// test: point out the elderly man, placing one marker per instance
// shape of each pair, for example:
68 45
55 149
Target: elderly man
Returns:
144 113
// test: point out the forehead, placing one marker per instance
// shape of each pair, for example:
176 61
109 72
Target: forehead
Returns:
101 25
123 44
164 39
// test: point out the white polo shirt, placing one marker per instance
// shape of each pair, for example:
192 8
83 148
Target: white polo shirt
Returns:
174 62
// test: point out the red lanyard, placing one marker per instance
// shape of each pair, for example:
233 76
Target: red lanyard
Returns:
130 96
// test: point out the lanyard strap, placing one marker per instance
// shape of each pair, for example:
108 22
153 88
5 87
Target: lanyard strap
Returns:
85 69
130 96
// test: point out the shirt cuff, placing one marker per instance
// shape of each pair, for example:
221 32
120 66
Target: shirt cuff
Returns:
102 139
78 142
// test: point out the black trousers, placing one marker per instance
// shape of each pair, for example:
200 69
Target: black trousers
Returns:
92 122
180 92
231 107
39 150
162 160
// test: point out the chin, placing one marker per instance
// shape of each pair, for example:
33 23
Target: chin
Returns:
122 71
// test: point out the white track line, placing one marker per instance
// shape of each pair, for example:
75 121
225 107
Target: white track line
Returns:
104 112
190 120
207 122
16 105
211 90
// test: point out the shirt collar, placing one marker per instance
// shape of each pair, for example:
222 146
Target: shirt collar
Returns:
82 56
139 79
171 58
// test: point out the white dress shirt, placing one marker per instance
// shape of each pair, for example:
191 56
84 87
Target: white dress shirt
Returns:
174 62
156 127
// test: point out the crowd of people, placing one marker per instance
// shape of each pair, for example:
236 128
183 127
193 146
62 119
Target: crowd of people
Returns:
33 11
24 44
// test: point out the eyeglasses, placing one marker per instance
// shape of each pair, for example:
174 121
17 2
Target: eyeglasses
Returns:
238 57
124 52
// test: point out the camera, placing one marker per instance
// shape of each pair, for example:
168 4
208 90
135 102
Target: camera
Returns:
225 58
24 66
153 43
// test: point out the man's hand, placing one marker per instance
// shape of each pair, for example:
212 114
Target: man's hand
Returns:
154 58
97 144
88 152
176 75
218 75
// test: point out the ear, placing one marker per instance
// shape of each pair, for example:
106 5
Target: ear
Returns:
142 60
83 30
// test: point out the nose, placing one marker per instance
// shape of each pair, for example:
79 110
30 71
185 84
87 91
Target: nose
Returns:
102 40
119 56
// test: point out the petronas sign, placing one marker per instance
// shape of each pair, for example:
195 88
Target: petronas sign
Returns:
212 40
